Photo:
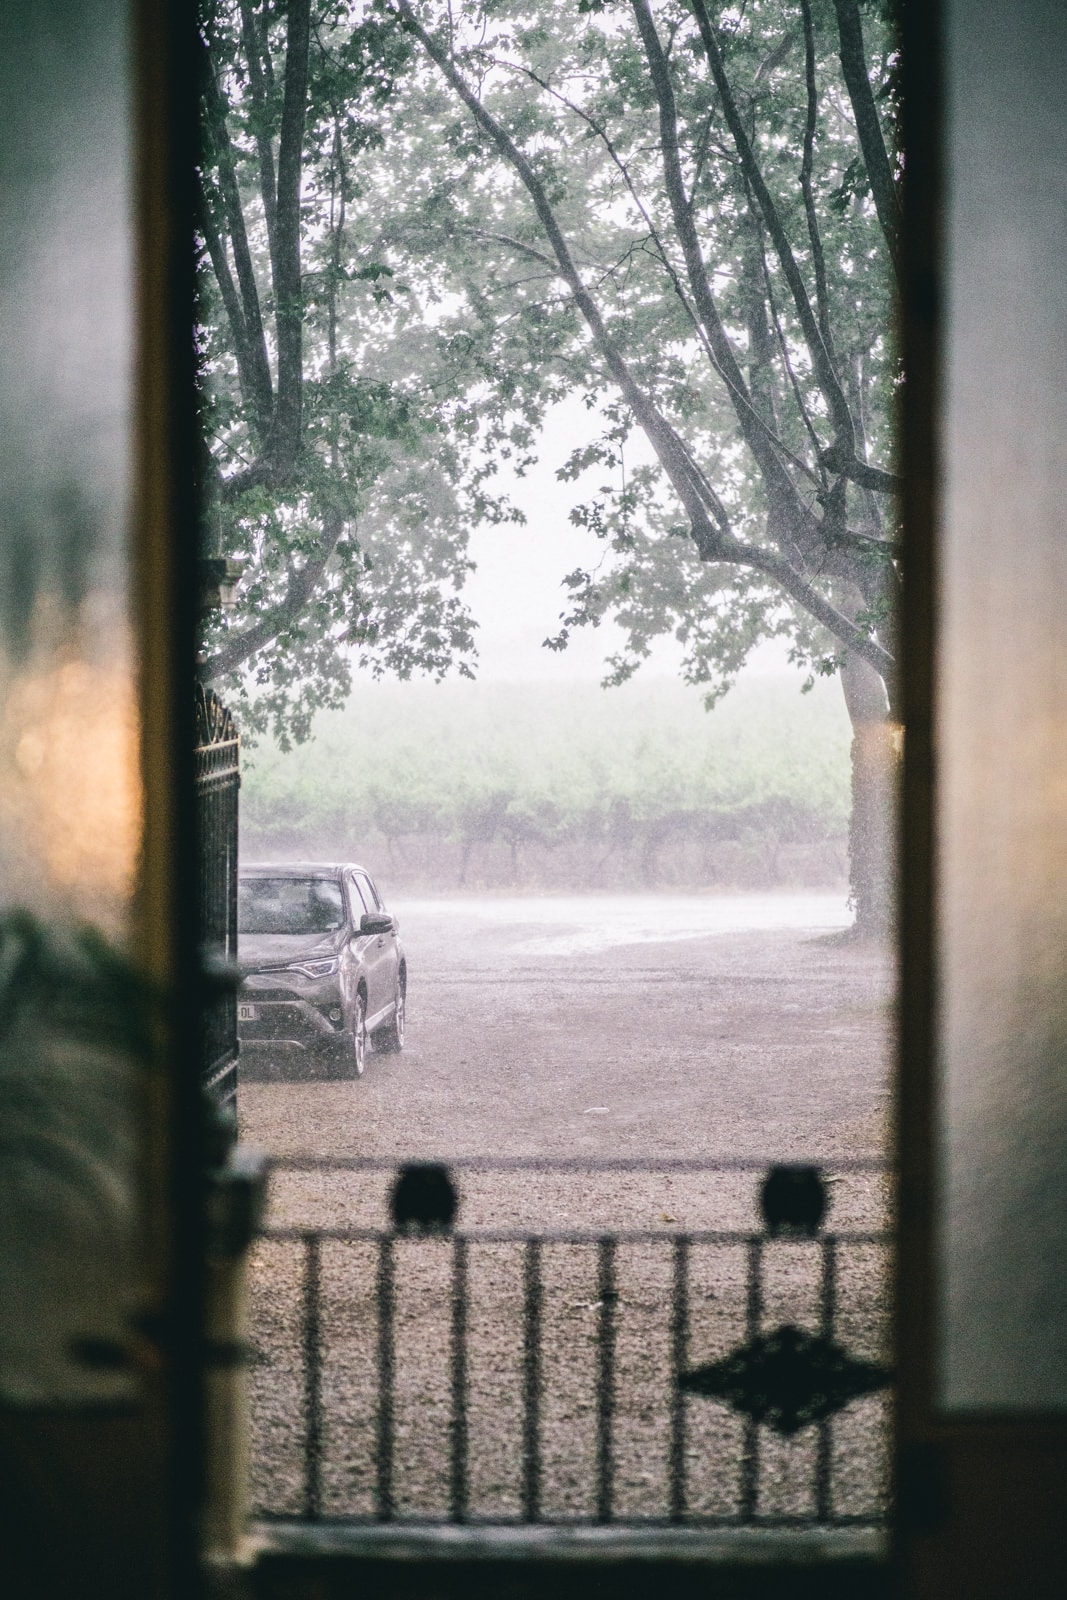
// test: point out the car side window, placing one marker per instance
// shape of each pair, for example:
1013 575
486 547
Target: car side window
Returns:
358 897
368 891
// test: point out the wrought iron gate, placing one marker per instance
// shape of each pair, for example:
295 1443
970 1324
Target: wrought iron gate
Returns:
417 1370
218 780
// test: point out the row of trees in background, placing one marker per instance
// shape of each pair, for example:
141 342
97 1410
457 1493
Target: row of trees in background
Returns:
428 223
498 837
531 786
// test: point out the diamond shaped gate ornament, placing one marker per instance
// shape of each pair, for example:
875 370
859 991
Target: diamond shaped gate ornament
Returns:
787 1378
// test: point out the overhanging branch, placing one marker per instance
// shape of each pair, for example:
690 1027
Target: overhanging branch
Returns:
301 586
822 362
868 125
289 312
709 527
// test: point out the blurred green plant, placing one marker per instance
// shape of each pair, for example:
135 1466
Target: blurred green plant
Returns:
76 1021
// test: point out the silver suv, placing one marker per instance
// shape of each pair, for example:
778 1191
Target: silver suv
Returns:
322 966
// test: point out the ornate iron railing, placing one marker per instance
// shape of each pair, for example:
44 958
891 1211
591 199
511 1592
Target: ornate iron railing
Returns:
754 1374
218 780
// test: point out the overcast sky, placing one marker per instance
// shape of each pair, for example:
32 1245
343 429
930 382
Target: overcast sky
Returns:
516 594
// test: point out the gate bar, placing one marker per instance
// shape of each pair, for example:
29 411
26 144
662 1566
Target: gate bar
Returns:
750 1452
312 1379
458 1485
386 1509
827 1313
607 1297
531 1420
679 1362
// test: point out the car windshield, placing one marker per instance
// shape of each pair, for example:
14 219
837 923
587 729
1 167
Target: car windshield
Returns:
289 905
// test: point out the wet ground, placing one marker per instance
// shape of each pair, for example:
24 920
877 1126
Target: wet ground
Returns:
701 1027
645 1025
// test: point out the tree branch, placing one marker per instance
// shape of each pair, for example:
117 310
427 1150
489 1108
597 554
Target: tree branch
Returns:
739 397
849 466
713 539
302 584
754 430
517 245
261 129
868 125
267 63
786 362
798 588
820 356
689 484
289 310
256 343
818 260
231 300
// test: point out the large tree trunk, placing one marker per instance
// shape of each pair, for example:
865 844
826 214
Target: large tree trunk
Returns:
872 830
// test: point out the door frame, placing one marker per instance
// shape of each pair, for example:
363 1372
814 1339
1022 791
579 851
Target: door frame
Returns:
981 1500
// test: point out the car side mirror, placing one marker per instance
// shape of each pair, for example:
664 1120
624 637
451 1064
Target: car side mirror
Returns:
376 922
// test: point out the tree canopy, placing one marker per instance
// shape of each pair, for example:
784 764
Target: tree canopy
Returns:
712 196
338 470
688 217
428 222
716 263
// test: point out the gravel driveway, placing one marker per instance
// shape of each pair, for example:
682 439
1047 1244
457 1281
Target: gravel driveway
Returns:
666 1027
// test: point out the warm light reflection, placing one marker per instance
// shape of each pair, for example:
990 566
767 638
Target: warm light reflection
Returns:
70 793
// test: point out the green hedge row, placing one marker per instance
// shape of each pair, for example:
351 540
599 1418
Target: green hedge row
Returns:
460 783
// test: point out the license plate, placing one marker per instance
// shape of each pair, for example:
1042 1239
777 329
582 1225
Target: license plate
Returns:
248 1013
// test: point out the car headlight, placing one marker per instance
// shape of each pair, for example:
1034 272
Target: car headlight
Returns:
316 969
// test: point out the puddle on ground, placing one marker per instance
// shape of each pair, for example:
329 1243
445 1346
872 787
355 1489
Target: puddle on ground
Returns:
586 924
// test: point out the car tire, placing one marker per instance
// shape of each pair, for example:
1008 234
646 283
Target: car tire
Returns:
357 1044
390 1039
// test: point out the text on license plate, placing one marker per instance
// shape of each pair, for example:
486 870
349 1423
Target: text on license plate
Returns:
247 1013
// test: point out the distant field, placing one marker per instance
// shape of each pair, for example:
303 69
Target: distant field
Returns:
439 786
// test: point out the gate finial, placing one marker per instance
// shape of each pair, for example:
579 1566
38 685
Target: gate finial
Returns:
423 1199
793 1200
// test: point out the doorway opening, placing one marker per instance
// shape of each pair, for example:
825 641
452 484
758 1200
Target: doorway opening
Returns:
624 956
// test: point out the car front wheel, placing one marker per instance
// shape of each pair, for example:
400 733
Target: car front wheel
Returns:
357 1049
